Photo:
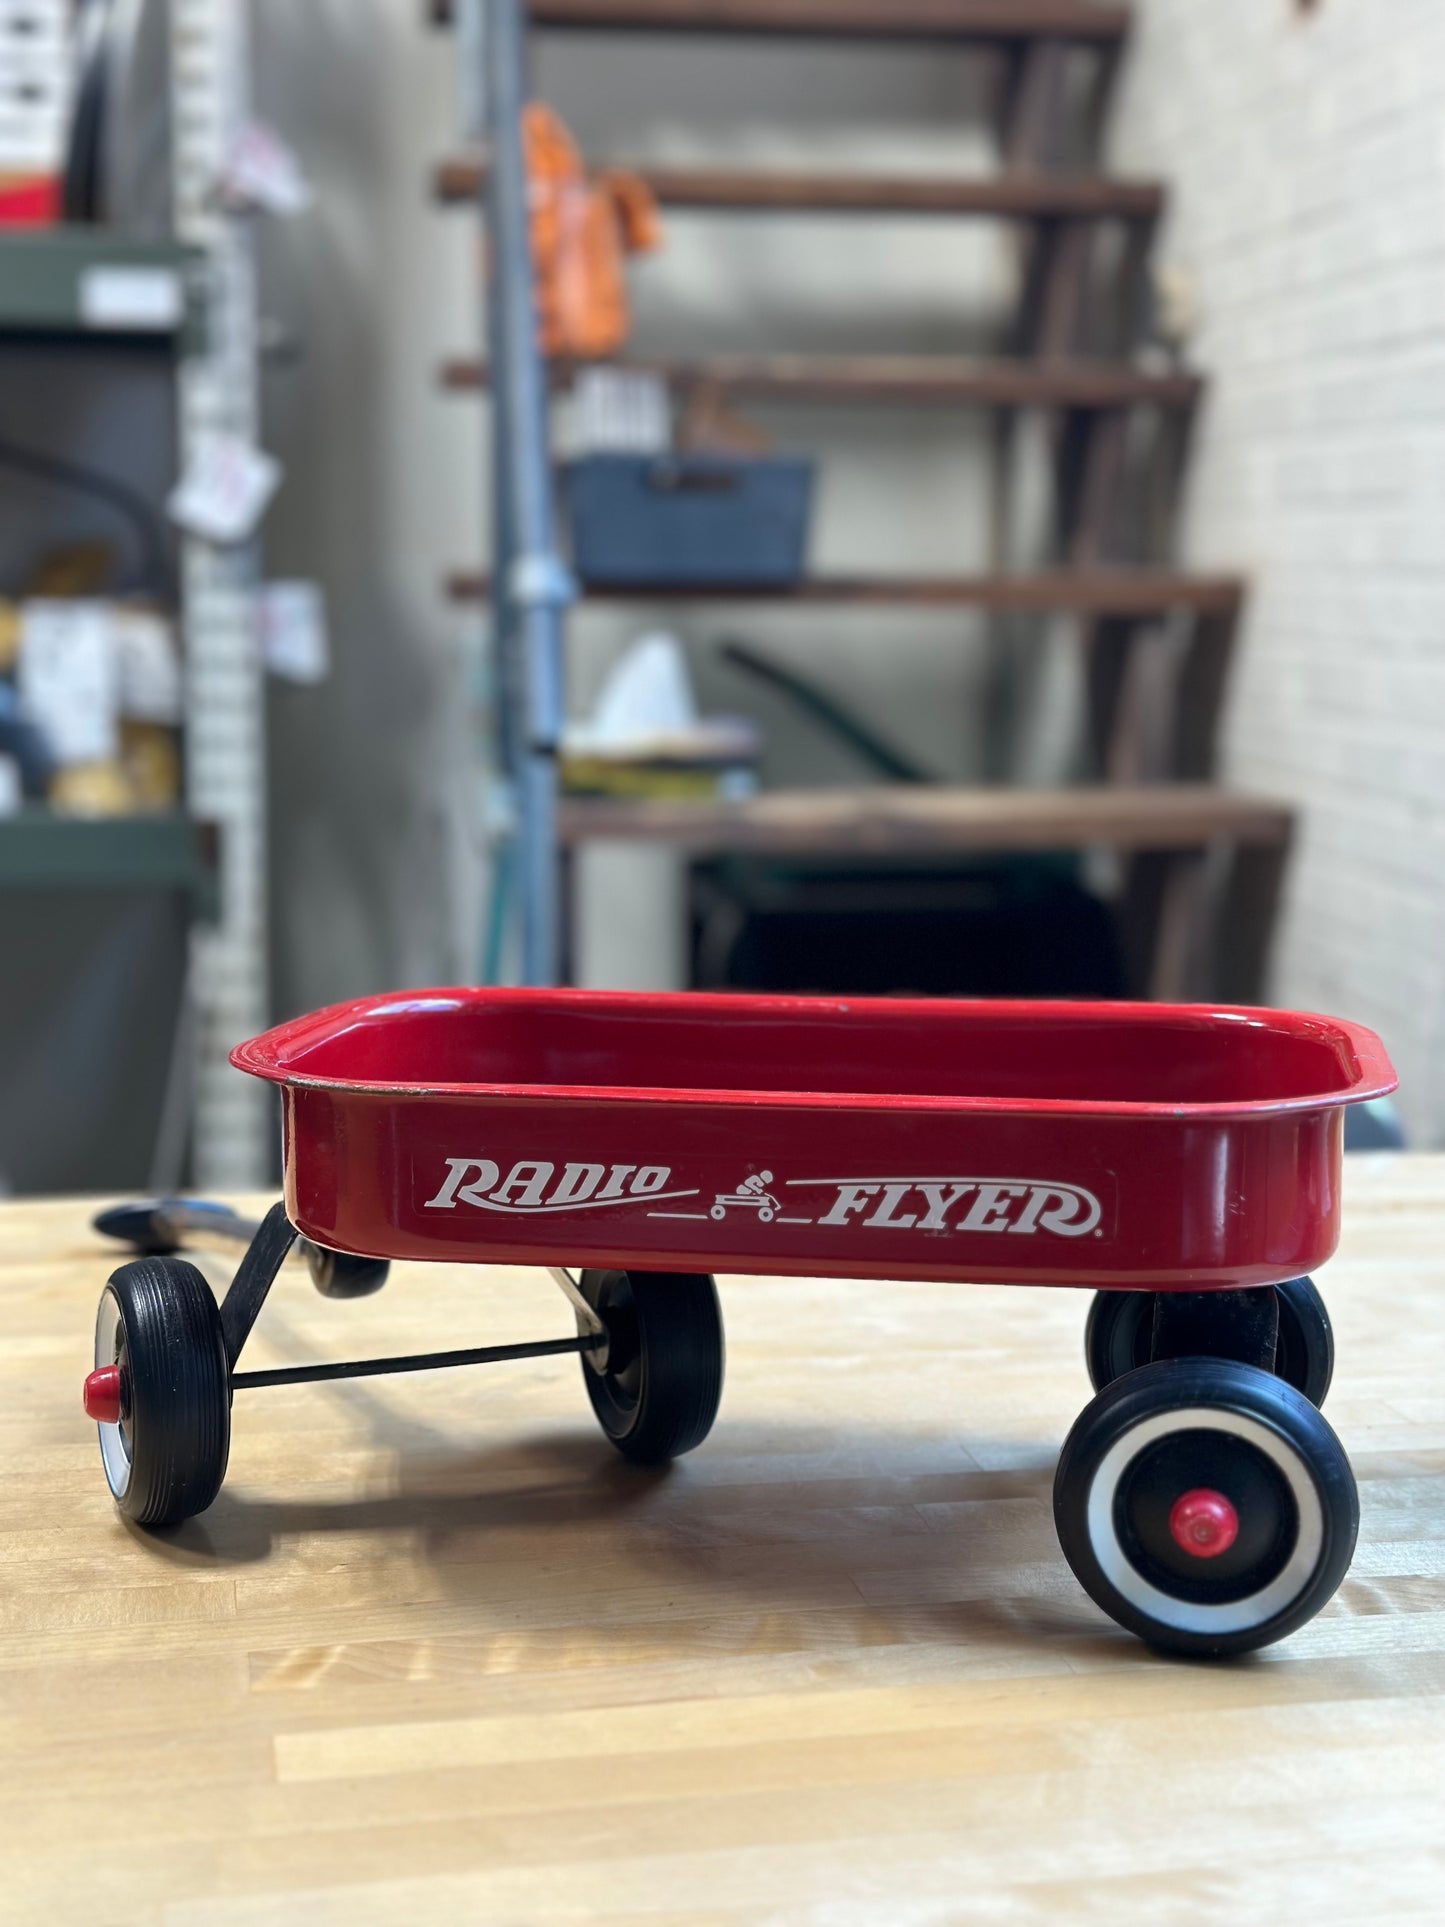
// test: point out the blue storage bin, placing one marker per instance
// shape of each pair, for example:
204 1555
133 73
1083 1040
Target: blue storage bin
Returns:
689 519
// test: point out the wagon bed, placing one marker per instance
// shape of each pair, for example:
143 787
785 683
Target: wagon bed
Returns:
1064 1143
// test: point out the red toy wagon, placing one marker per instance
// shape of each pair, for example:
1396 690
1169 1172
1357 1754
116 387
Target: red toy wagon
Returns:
1183 1162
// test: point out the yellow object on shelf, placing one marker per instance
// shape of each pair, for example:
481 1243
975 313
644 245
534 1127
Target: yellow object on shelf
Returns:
151 758
617 776
91 789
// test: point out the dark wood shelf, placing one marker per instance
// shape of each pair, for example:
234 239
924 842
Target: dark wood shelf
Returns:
987 22
1008 196
1167 817
1139 593
895 378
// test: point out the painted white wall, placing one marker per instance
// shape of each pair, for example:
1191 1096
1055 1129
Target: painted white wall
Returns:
378 865
1306 160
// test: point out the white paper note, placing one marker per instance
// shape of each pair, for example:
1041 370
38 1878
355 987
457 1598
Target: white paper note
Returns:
291 622
132 297
66 678
225 490
262 171
148 668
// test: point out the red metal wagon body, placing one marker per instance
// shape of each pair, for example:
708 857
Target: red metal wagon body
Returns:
1185 1161
1039 1143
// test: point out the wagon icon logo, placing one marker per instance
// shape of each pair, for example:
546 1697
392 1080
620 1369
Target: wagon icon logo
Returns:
751 1195
535 1184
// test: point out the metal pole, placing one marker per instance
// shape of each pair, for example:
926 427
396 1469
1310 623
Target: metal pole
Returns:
531 587
473 42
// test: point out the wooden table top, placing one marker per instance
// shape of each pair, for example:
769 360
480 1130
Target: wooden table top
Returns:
437 1656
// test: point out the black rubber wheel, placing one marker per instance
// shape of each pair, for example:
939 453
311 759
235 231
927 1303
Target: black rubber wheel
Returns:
340 1274
1206 1506
1305 1354
1117 1337
658 1388
165 1459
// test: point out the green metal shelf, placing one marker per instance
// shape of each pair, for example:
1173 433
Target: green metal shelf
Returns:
42 851
90 283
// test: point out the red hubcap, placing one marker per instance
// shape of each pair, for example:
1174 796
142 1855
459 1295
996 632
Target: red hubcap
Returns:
1203 1523
102 1395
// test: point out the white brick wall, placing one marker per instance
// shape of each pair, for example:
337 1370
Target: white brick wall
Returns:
1306 160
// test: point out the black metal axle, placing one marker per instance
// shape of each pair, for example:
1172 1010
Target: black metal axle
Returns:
417 1362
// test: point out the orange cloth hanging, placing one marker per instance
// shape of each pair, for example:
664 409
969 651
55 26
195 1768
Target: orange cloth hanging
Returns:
581 231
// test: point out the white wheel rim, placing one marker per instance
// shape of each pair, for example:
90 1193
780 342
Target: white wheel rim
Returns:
1188 1615
113 1455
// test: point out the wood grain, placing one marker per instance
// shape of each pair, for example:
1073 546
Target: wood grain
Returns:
1015 194
908 379
985 21
436 1656
1168 817
1100 591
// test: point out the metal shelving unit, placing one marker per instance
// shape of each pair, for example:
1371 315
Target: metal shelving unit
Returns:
167 329
87 282
42 851
234 1135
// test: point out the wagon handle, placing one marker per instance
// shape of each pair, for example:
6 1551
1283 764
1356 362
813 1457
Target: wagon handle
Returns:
158 1227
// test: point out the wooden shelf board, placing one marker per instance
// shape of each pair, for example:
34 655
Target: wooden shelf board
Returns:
893 819
896 378
982 21
1094 592
1014 195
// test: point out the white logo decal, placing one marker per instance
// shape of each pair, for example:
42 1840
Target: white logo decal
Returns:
1022 1206
534 1185
751 1195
